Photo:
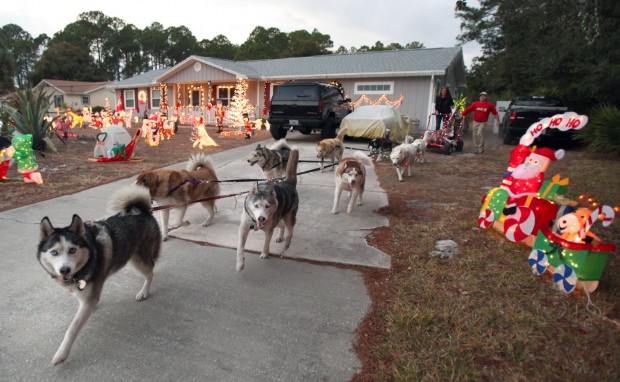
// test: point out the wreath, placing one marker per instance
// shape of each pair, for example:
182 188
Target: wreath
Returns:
142 96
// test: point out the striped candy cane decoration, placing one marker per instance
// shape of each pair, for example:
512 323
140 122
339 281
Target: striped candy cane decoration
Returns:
608 216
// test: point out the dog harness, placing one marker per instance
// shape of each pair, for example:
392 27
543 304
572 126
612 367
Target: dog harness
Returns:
193 181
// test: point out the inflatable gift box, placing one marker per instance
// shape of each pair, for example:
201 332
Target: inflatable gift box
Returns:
556 186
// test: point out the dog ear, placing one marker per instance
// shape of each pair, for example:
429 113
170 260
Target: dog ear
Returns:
46 229
254 189
258 147
77 226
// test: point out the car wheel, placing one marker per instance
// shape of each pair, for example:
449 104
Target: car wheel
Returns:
276 132
329 129
447 148
507 136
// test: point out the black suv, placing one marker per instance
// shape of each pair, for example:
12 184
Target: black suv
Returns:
306 106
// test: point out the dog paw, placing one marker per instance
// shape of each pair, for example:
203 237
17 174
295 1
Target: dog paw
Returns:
164 238
184 223
334 212
141 296
264 255
240 266
279 239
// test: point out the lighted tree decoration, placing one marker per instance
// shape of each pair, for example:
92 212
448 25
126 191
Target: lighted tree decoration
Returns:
239 104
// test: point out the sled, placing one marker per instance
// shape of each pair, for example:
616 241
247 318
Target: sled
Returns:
125 155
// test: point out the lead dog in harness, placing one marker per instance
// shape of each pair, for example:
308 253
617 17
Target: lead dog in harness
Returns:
331 148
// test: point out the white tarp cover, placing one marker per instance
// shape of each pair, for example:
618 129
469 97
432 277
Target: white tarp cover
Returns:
372 121
116 135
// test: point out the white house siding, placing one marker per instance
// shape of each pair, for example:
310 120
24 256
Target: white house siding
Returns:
413 89
206 73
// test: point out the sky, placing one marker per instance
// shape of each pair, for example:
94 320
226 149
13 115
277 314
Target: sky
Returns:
350 23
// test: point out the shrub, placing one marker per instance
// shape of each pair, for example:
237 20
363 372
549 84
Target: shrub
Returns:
602 133
27 110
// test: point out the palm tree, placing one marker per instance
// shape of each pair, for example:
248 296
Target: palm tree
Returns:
27 110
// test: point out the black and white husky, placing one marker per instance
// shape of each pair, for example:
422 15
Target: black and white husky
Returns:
272 160
81 256
269 205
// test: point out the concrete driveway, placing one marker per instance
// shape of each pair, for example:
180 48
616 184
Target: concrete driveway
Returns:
277 320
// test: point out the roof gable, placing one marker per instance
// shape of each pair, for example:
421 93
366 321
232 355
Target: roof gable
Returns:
73 87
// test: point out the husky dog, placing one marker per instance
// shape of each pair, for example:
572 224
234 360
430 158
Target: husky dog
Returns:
272 161
331 148
269 205
351 176
405 155
179 187
80 257
380 148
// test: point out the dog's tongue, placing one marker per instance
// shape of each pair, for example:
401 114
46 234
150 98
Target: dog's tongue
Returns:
261 225
66 278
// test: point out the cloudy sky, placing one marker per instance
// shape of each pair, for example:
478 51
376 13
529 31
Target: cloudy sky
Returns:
348 22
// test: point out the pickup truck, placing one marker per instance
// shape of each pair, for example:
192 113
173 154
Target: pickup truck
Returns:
307 106
523 111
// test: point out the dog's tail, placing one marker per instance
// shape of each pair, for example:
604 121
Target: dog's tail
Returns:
198 161
280 145
363 158
341 133
409 139
291 166
130 200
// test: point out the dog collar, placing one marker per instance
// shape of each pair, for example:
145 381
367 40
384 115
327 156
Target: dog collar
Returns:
253 225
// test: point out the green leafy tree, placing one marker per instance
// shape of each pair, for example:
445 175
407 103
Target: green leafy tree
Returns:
67 62
303 44
219 47
154 45
132 62
564 48
27 110
7 70
22 50
181 44
414 45
264 44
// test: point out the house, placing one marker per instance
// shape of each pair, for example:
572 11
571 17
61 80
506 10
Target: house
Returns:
405 79
76 94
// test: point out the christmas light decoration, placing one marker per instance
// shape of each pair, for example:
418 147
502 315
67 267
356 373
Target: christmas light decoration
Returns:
383 100
537 213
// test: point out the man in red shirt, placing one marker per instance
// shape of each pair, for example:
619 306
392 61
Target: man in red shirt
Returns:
481 110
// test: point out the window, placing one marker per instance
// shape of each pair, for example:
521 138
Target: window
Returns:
195 97
225 93
130 99
85 100
58 100
155 98
374 87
